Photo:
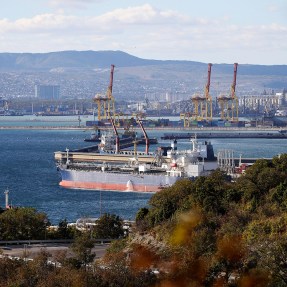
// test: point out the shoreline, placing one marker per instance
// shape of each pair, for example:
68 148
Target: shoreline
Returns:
42 128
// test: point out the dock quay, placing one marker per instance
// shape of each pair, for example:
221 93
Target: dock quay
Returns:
226 134
193 129
238 161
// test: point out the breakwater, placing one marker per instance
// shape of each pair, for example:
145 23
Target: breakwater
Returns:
50 126
226 135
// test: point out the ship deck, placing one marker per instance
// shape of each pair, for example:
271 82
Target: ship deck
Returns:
125 157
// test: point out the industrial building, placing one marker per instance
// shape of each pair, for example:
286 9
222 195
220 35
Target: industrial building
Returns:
47 92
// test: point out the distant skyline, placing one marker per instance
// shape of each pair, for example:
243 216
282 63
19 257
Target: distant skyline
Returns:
222 31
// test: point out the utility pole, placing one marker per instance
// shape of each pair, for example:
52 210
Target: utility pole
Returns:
6 192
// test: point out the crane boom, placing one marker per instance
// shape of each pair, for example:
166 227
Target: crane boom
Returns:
116 133
208 81
145 136
110 88
234 81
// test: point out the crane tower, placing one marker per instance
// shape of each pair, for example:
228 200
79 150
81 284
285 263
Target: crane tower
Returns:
106 103
229 103
203 104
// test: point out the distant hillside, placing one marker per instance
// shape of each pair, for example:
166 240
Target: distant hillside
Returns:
103 59
82 74
70 59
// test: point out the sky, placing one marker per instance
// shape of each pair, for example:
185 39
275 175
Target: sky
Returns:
209 31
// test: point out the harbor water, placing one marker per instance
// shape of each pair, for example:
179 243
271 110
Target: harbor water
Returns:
28 170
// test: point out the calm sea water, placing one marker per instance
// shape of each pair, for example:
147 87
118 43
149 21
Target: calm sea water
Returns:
28 170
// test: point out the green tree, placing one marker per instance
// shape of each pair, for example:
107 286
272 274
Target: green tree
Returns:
273 257
209 192
141 214
109 226
1 210
268 178
117 246
82 248
280 162
22 223
278 195
251 194
253 171
141 222
65 231
7 270
165 203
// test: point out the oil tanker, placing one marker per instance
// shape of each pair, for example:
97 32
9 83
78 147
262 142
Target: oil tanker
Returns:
133 171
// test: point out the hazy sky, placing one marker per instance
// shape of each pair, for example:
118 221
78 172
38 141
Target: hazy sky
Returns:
216 31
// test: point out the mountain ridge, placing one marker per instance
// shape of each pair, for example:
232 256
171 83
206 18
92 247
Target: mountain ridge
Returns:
89 59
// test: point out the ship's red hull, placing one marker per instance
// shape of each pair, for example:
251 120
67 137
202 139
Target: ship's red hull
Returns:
107 186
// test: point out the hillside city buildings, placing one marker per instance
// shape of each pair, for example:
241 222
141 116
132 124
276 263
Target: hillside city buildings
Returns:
53 93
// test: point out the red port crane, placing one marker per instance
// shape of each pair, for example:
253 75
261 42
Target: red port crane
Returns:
229 103
203 104
234 99
106 103
208 98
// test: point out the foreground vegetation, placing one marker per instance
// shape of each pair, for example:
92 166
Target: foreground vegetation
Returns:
219 232
209 232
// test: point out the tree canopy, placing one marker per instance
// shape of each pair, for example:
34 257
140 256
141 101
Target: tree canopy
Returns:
22 223
109 226
234 231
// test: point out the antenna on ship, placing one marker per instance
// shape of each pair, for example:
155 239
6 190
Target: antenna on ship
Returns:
67 153
135 148
194 142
